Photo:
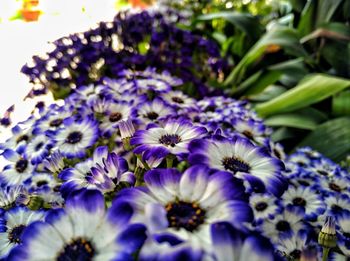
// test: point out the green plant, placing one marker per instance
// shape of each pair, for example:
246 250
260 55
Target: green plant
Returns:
296 71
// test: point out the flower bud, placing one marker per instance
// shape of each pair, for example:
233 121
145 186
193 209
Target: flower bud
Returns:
327 237
126 128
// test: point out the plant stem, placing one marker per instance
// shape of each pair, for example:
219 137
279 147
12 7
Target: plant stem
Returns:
144 163
325 253
169 161
139 173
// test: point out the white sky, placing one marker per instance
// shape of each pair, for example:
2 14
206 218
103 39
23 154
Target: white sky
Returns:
19 41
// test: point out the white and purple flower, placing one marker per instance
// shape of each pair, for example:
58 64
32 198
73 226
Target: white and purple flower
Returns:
76 136
241 158
183 206
172 138
84 230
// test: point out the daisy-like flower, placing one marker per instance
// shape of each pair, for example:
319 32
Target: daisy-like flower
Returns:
179 99
310 153
265 206
82 231
104 172
243 159
285 225
292 247
300 158
337 205
144 85
76 137
172 138
38 148
231 244
323 168
54 163
9 196
21 134
12 226
53 119
115 113
275 149
185 205
336 185
300 177
228 244
250 129
40 182
18 171
149 72
343 234
154 110
307 199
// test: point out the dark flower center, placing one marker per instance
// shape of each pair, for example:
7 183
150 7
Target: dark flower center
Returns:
74 137
336 208
277 153
210 108
152 115
21 165
22 138
299 202
15 234
303 183
248 134
114 117
235 165
185 215
56 122
39 146
41 183
170 139
322 172
295 254
261 206
282 226
346 235
177 100
335 187
79 249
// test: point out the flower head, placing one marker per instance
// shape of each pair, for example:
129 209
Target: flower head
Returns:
241 158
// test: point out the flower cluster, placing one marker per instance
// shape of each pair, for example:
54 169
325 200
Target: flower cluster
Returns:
131 167
131 41
138 145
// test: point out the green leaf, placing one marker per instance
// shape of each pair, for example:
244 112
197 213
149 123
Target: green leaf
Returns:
269 93
257 83
331 138
311 90
282 133
326 10
245 22
341 103
293 120
279 37
307 20
264 80
337 54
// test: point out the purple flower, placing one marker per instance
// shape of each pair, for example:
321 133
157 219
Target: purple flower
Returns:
241 158
172 138
76 136
185 205
83 230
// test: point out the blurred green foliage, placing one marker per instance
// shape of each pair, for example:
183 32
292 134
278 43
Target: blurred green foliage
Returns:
291 59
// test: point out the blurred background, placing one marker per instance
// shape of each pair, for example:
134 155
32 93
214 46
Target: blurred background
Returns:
26 29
